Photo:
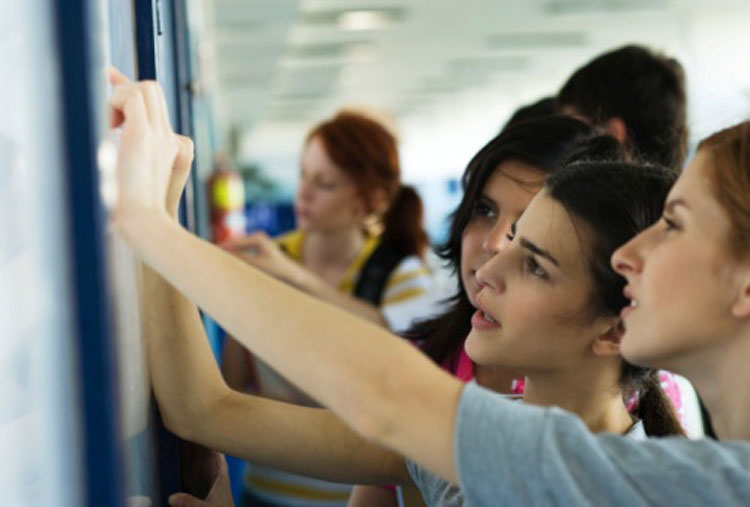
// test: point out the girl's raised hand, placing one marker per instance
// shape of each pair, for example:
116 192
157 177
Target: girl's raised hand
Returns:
264 253
148 146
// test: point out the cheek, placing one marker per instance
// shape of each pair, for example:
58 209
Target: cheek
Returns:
682 308
523 321
472 252
338 203
473 256
542 332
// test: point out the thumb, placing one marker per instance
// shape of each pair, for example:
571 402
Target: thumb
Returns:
116 78
239 243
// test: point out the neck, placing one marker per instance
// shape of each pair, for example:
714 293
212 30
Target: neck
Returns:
337 247
595 396
497 378
721 378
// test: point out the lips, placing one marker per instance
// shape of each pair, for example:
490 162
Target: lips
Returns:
482 320
302 213
633 304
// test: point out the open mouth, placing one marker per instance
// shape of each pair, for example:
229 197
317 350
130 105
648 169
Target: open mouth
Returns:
482 319
486 316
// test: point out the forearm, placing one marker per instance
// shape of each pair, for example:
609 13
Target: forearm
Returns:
198 406
309 441
185 378
313 284
380 385
235 366
372 496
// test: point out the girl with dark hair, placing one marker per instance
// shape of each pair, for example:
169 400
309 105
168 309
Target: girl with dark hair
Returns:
541 308
498 183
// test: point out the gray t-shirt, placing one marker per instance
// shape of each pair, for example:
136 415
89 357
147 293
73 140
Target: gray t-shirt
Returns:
515 454
439 492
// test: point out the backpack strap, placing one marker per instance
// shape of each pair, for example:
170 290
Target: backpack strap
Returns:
374 274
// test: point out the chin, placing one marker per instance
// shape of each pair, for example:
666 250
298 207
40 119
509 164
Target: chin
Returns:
471 348
481 351
639 354
304 224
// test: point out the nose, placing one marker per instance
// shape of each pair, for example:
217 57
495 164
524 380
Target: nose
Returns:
304 190
497 237
627 260
491 273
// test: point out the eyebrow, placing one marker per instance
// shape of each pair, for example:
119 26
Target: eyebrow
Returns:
525 243
485 197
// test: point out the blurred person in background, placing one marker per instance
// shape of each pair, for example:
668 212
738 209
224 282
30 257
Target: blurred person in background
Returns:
546 106
638 97
359 244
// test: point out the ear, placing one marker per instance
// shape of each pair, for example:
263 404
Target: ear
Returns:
377 206
608 343
380 201
741 306
616 128
359 207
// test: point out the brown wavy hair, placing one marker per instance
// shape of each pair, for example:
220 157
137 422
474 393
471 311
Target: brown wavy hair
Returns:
368 153
730 179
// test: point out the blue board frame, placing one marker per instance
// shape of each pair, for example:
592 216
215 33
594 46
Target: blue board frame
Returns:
103 456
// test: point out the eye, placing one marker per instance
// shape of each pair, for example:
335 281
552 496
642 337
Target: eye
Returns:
533 267
669 224
326 185
482 209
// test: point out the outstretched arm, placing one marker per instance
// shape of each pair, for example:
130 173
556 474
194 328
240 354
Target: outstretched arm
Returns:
379 384
197 405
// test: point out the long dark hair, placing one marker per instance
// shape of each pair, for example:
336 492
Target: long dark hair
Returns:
614 201
368 153
545 143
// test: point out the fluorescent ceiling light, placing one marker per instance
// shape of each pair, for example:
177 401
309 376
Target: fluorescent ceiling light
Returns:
602 6
364 20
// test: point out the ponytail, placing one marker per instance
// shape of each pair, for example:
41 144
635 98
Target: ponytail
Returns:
403 223
653 407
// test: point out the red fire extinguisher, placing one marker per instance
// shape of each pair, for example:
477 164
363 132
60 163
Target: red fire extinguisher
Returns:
227 195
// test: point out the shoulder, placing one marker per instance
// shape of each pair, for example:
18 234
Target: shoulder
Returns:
291 242
410 272
520 445
409 294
